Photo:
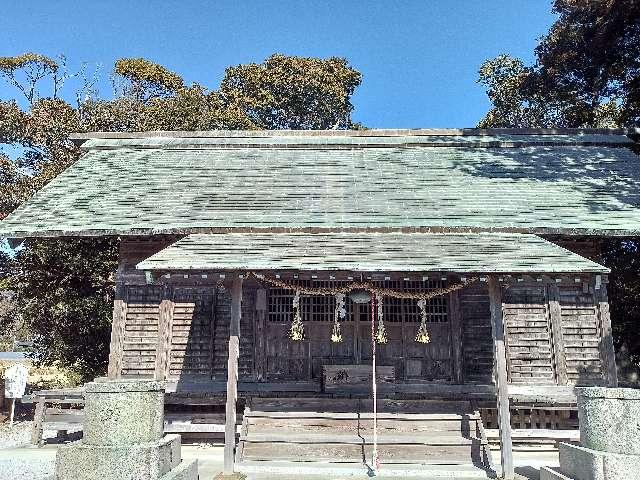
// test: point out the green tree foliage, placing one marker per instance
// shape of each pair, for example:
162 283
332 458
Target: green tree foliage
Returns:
26 70
63 289
586 74
293 92
144 80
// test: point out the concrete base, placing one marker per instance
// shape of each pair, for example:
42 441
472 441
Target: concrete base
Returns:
233 476
140 461
548 473
123 439
609 419
581 463
123 412
184 471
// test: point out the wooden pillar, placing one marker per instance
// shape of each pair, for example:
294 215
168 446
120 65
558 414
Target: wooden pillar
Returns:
500 360
165 325
116 346
555 317
260 333
38 421
232 376
455 322
607 352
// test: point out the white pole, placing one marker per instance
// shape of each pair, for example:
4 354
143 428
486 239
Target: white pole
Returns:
374 457
12 411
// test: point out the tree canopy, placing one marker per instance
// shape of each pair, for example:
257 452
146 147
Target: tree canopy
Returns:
293 92
586 74
62 290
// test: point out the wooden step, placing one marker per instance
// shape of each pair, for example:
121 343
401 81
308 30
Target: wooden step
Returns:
351 453
318 425
362 438
365 415
349 405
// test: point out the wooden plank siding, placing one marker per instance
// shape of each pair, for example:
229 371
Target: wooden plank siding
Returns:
528 335
177 327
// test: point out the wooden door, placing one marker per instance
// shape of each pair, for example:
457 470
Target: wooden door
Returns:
303 360
412 361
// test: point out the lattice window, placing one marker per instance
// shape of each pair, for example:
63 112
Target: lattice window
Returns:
397 309
314 308
321 308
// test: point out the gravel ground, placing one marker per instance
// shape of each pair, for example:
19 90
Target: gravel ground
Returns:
27 463
15 436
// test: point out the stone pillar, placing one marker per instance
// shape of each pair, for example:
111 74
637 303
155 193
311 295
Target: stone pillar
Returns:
123 436
609 437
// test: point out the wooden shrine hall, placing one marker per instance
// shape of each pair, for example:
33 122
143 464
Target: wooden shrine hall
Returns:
291 273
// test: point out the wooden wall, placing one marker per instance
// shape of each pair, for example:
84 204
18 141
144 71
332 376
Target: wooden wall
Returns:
178 328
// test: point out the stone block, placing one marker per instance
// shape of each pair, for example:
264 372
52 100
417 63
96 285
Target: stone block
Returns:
146 461
581 463
547 473
123 412
184 471
610 419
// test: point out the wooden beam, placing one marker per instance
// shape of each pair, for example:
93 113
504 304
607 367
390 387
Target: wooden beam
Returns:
38 421
165 325
555 318
455 321
260 332
232 376
500 361
117 338
607 351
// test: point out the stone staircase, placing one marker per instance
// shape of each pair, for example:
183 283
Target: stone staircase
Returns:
333 438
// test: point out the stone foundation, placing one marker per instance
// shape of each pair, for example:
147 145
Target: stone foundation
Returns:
123 438
609 434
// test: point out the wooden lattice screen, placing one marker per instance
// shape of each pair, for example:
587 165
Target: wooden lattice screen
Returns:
141 330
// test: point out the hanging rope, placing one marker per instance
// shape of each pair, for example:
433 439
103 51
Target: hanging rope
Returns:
297 327
381 333
369 286
375 461
340 313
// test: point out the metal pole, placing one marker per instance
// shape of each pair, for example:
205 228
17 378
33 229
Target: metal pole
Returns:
374 458
12 411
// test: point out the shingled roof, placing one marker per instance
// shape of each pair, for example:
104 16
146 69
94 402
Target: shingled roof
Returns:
533 181
370 252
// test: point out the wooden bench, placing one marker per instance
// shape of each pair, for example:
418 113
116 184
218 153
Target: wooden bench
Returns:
59 410
534 439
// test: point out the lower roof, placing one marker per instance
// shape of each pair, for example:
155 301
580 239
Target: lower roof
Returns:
371 252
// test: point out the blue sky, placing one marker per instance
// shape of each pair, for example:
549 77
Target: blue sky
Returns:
419 59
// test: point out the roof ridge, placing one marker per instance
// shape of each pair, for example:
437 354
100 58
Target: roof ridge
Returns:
426 132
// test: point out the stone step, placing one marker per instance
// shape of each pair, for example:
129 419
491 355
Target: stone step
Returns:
548 473
326 471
